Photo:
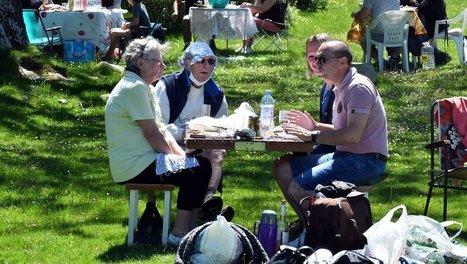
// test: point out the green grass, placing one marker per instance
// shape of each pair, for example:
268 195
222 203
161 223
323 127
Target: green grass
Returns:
58 201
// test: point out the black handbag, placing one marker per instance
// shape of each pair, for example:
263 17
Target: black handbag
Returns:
291 255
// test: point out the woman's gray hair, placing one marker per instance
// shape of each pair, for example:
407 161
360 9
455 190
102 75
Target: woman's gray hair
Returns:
318 38
140 48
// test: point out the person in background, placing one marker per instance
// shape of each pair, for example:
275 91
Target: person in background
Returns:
137 139
371 9
266 13
429 11
359 132
37 4
186 30
137 27
117 4
181 96
326 96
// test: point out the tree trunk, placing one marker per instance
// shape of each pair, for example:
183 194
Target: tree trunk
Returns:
12 30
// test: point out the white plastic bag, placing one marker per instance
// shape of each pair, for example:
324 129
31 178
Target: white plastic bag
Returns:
386 239
217 244
428 240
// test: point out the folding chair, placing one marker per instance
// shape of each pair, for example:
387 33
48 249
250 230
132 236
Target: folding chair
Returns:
450 116
395 29
454 34
156 30
270 39
38 34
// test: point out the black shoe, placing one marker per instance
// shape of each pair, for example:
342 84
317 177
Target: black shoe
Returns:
228 213
210 209
392 63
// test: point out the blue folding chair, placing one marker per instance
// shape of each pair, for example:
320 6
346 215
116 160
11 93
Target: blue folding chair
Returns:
38 34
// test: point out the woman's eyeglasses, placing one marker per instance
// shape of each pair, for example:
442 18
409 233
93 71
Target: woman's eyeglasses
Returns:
158 62
321 59
210 61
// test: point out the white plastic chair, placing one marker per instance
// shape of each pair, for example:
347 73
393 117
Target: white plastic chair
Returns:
395 26
455 34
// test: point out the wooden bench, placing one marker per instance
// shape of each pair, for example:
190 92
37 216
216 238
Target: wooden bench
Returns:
134 189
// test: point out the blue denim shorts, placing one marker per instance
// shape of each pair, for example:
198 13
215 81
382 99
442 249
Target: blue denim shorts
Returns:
359 169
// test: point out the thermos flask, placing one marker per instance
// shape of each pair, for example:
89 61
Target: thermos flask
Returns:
267 231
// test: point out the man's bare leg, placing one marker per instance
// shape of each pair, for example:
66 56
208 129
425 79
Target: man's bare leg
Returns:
292 192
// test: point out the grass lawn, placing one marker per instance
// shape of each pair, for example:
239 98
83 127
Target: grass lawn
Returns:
58 201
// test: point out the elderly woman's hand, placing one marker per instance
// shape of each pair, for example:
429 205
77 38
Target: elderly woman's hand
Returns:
298 131
302 119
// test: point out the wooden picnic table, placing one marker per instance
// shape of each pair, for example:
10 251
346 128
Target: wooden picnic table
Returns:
289 143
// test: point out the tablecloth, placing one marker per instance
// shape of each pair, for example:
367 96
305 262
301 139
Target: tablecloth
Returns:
231 22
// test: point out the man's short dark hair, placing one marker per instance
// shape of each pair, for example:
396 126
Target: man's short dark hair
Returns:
341 49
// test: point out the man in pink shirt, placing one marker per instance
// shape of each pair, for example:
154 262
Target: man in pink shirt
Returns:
358 131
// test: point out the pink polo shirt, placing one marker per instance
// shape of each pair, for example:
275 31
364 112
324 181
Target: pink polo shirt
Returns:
357 94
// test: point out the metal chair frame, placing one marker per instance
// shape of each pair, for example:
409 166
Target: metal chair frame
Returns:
276 39
439 179
38 34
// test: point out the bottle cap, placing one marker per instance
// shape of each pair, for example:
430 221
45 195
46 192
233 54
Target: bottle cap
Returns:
268 217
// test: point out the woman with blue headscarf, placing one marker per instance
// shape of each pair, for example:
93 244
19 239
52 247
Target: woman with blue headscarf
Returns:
181 96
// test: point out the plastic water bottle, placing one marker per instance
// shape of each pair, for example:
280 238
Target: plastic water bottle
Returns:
428 56
266 116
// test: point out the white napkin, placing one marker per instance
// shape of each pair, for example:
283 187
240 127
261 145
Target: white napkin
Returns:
166 163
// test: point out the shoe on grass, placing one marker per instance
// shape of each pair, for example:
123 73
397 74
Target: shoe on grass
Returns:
210 208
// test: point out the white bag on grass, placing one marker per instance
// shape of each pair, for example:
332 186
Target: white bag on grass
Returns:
428 240
386 239
217 244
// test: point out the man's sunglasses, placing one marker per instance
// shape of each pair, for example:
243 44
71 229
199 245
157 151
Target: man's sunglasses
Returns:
321 60
210 61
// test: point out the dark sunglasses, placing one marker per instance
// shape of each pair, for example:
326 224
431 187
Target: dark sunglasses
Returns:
323 59
210 61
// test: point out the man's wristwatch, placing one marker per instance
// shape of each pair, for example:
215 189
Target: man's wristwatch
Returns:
314 136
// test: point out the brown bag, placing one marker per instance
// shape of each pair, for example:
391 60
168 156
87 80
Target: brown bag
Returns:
337 223
356 31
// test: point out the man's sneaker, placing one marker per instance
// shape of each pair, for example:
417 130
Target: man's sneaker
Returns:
174 240
248 51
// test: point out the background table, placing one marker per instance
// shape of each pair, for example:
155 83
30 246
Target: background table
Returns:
231 22
91 26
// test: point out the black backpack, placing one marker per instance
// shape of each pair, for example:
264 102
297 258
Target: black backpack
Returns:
337 223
